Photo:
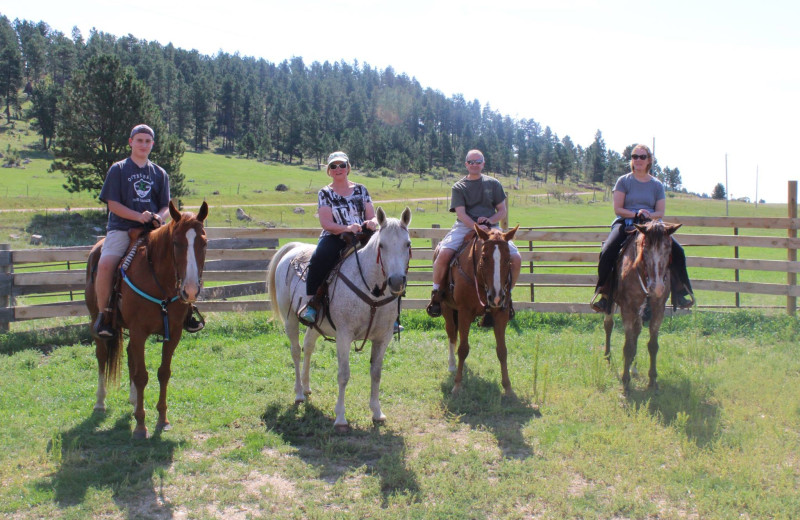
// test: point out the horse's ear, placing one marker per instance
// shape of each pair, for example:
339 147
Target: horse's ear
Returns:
509 235
671 228
641 227
173 211
405 218
483 235
381 216
203 213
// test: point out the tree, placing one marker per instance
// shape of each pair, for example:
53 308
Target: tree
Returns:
673 178
719 192
10 65
45 101
100 106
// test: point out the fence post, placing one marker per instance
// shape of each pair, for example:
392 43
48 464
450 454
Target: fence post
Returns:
791 301
5 287
736 272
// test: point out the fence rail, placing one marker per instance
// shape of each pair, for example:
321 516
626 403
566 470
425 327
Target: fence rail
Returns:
237 260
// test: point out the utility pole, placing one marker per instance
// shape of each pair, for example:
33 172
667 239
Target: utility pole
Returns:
727 195
756 186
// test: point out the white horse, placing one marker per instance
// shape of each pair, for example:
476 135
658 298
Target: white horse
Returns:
363 305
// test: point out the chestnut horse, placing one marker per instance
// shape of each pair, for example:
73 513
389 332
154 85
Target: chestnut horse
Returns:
166 275
642 278
480 281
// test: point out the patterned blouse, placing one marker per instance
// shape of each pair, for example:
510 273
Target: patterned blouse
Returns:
346 210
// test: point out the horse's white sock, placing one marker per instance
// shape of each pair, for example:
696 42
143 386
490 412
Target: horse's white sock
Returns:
436 287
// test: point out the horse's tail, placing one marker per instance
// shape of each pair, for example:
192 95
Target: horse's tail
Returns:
273 268
113 355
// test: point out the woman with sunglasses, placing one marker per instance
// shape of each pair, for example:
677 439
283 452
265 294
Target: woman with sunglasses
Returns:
638 196
343 206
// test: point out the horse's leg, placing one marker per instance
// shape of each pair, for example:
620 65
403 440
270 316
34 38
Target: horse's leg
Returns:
101 353
500 322
633 327
164 373
608 325
139 377
375 369
450 326
652 345
309 344
343 341
463 346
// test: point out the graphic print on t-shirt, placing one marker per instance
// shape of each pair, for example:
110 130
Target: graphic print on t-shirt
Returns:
142 187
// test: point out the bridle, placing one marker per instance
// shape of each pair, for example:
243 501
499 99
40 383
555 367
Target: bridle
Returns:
477 269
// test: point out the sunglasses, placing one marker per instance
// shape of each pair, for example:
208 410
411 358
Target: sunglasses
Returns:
642 157
474 162
340 165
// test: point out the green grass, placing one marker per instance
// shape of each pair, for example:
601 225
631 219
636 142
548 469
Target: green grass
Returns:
719 440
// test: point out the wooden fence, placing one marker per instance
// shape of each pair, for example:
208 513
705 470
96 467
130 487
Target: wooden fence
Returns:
237 260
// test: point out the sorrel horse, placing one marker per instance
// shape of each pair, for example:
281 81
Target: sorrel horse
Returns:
642 278
359 308
480 278
165 277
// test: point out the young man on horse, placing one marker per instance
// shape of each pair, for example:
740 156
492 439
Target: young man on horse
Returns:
137 193
475 199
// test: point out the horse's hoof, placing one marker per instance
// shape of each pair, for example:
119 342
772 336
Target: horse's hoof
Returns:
140 434
299 401
380 421
456 390
163 427
99 408
341 428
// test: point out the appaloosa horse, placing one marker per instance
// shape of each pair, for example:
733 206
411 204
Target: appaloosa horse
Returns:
642 279
480 278
163 279
360 308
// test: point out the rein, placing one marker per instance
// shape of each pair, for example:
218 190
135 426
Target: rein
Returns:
475 271
373 305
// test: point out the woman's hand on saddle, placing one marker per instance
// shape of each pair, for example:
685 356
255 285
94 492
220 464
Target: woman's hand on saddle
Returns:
643 214
370 225
353 228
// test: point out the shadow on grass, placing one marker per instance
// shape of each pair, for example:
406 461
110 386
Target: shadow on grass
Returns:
45 340
482 405
681 401
95 458
383 452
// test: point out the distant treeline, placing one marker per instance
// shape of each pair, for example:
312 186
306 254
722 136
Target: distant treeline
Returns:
292 111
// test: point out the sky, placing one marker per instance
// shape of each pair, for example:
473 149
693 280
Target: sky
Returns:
709 82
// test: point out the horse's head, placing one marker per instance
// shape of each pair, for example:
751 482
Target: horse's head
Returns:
394 249
189 244
494 268
653 255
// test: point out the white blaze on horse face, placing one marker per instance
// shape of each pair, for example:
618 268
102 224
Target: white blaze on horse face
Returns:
191 283
497 285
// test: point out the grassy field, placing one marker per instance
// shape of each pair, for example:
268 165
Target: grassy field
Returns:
718 440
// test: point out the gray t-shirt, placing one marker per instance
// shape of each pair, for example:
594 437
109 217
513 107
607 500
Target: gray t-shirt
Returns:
640 195
479 197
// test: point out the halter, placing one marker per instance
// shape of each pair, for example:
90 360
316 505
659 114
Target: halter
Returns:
641 269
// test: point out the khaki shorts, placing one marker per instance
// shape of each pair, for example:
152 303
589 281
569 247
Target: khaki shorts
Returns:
115 244
455 238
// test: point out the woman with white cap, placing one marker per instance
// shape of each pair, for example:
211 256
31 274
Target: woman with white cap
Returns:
343 206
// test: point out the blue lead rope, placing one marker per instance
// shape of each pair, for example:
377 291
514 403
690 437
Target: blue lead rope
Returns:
162 303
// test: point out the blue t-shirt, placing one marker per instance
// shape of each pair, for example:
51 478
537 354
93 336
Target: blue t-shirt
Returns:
140 189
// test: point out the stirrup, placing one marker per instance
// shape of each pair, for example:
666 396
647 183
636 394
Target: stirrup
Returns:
101 329
307 315
192 324
434 308
600 305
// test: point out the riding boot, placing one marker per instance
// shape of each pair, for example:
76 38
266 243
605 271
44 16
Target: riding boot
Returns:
194 321
603 303
682 297
434 308
102 328
308 314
